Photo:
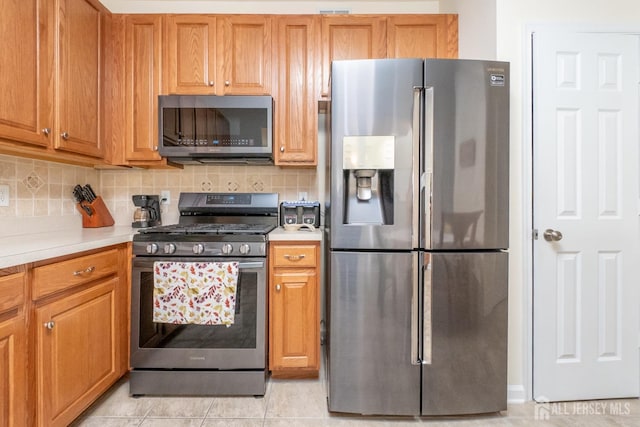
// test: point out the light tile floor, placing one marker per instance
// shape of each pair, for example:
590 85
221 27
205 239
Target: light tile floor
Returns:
303 403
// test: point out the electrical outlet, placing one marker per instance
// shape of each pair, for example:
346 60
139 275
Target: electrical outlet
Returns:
4 195
165 197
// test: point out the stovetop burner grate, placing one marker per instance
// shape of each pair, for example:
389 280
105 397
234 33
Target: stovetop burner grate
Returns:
210 229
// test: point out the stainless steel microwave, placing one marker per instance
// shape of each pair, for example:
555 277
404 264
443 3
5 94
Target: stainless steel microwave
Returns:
202 129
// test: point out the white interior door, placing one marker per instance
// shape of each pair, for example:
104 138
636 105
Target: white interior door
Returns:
585 186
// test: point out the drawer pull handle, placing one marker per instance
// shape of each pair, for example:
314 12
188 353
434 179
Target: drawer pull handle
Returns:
50 324
278 287
81 272
294 257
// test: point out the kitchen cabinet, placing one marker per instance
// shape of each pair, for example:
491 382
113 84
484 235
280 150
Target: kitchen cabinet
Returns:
136 43
351 37
190 64
26 92
51 83
245 54
297 45
422 36
80 331
79 62
13 348
218 55
294 300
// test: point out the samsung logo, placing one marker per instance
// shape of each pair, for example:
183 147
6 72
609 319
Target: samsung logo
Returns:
496 80
196 358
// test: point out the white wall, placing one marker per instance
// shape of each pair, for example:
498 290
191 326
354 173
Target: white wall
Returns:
279 7
476 27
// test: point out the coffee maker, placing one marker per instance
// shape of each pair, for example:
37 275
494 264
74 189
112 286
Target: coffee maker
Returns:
147 213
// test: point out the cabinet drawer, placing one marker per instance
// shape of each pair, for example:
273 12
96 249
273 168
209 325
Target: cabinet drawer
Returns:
294 255
11 291
67 274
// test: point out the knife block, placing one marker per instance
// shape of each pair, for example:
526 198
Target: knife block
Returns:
100 216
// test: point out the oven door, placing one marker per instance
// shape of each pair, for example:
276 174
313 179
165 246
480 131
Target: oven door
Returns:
170 346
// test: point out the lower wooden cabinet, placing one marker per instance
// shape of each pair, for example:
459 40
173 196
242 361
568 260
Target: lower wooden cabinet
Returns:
13 349
80 330
294 309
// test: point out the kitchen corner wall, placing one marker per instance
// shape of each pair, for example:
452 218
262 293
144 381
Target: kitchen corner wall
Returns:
40 192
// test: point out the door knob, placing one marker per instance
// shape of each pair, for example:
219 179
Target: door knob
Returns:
552 235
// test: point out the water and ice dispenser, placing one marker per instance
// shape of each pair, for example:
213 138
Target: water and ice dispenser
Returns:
368 164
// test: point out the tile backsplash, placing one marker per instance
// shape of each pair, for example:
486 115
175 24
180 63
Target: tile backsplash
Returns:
41 191
118 186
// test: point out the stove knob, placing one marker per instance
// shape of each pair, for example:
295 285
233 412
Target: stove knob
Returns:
152 248
227 248
245 249
169 248
198 248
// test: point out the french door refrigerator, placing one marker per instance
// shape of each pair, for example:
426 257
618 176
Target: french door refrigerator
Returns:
417 236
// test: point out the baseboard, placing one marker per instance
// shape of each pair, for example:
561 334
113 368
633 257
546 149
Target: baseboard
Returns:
516 393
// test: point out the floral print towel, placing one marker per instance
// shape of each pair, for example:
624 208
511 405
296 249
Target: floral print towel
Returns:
201 293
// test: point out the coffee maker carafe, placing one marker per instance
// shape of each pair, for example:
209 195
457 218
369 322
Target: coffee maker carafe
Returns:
147 213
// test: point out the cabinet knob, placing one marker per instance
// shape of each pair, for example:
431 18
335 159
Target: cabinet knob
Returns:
282 148
50 324
211 83
46 131
64 135
227 83
278 287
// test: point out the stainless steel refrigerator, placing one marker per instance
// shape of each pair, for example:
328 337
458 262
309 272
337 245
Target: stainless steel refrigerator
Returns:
417 229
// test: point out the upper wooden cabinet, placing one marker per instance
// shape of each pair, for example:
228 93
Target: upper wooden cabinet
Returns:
26 92
422 36
245 54
218 55
297 46
143 44
190 66
79 76
351 37
50 88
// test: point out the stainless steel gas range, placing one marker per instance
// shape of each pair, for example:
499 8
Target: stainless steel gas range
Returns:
183 357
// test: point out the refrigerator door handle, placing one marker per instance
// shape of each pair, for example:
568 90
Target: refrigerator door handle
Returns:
427 178
427 338
415 215
415 297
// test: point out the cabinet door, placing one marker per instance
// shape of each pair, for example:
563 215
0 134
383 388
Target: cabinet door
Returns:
26 93
245 54
191 54
422 36
77 360
351 37
79 71
296 111
142 87
13 372
294 319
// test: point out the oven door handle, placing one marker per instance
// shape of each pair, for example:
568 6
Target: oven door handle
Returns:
256 264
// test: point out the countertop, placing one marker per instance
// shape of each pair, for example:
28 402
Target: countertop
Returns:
26 248
280 235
